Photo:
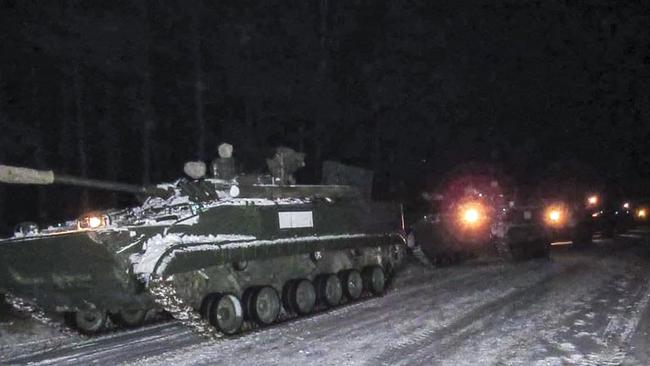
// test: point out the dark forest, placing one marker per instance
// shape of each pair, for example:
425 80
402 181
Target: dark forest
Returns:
129 91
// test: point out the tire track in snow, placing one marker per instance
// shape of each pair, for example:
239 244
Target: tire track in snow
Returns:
85 352
439 341
576 324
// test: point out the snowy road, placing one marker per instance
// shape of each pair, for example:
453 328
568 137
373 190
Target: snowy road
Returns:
582 307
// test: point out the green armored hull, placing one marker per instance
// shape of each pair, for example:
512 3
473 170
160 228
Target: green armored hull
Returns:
67 271
210 247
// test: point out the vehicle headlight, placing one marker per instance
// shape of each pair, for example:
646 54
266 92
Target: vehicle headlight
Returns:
472 215
93 221
556 215
641 213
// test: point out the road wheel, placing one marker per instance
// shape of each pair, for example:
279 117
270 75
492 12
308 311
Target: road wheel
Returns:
263 305
329 290
226 314
374 279
88 321
300 296
129 318
352 284
207 302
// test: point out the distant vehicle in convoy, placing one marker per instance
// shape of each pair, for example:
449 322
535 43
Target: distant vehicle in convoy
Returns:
613 217
639 212
232 251
569 221
473 217
594 214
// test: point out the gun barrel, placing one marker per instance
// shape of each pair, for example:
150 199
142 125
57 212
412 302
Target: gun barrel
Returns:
19 175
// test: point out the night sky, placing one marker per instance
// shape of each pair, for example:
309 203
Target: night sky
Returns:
128 91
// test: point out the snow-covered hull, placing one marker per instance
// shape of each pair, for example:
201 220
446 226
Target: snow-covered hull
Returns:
216 248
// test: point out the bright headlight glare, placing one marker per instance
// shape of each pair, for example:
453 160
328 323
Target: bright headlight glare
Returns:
92 222
556 215
472 215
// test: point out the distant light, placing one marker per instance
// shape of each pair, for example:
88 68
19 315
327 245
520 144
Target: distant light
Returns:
642 213
592 200
626 205
595 214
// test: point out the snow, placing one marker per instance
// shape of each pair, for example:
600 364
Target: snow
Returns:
492 313
153 249
144 263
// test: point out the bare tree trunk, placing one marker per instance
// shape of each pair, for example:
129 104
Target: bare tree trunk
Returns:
110 141
321 75
376 145
199 84
3 122
81 132
66 140
147 100
39 149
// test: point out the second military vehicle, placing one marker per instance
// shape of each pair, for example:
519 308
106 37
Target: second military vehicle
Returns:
474 216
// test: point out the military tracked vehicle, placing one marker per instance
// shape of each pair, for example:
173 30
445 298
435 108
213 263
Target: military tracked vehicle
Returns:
226 252
476 218
569 222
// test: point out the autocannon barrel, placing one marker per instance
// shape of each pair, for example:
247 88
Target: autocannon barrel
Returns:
20 175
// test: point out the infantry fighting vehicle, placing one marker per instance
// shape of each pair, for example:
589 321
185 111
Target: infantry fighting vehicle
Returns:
230 251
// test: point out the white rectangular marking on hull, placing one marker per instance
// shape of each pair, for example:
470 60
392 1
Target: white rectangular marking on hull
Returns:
295 219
